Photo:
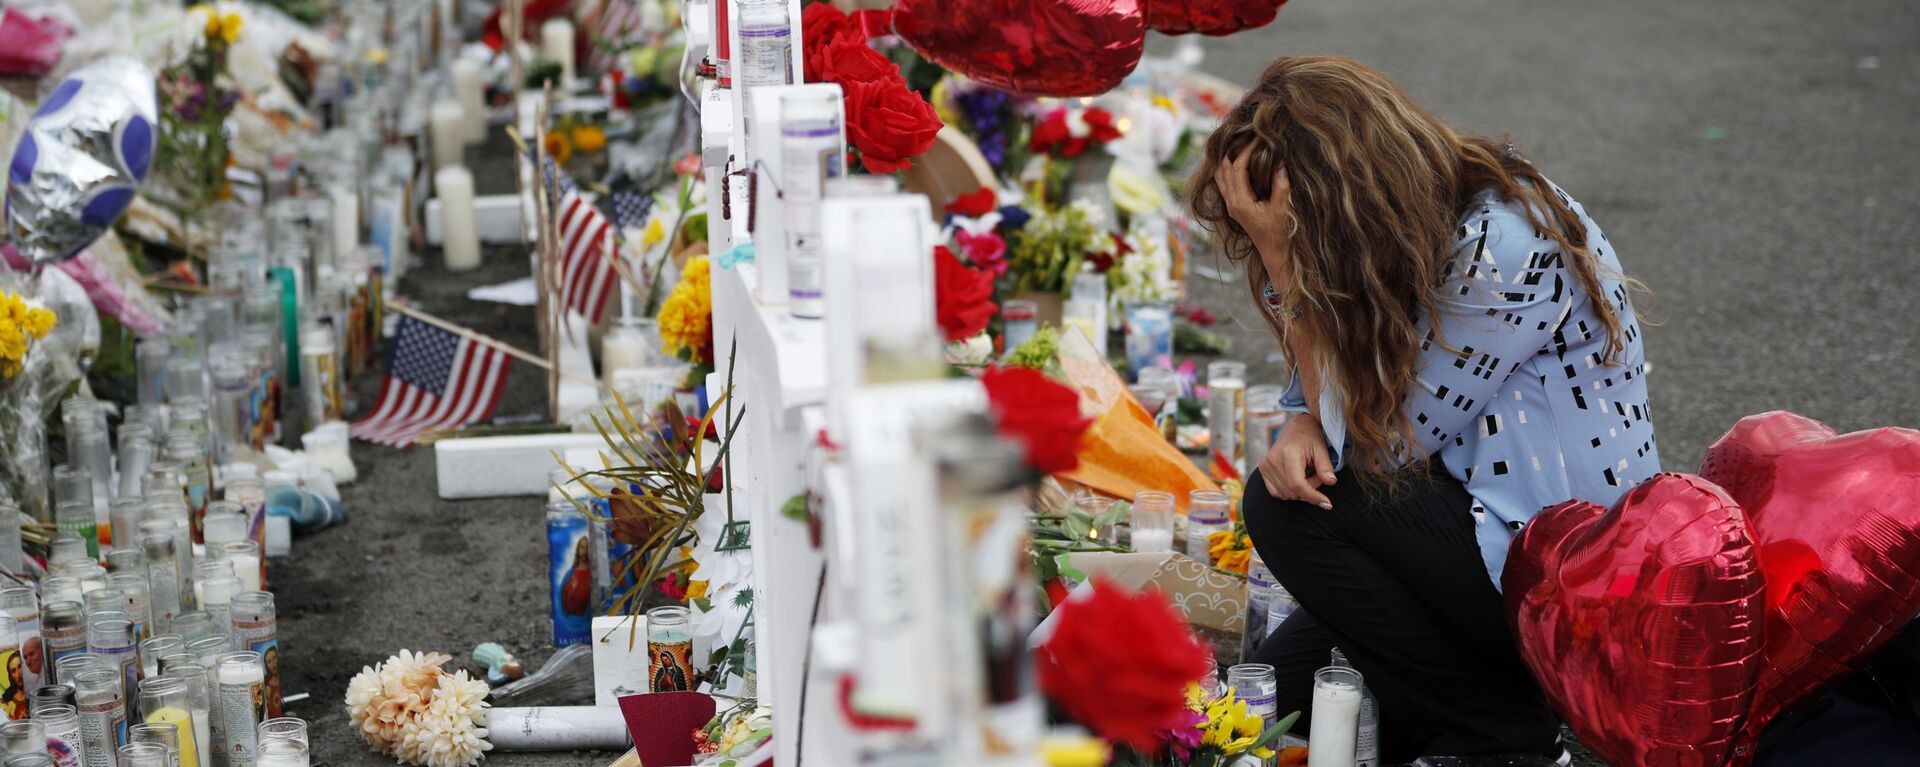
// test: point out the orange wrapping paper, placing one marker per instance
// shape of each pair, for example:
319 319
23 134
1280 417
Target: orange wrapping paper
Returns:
1122 453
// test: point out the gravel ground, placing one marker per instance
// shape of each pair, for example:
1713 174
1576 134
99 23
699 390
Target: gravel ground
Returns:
1754 162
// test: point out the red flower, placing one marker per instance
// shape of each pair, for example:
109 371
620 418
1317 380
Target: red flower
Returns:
963 296
1054 134
1042 414
974 204
1100 127
1126 691
687 165
851 61
533 12
1100 262
889 124
826 25
673 588
985 250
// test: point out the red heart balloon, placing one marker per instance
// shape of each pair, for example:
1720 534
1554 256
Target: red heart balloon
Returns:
1210 17
1035 47
1642 622
1837 521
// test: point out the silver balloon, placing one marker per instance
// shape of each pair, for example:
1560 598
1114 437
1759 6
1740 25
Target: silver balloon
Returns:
82 158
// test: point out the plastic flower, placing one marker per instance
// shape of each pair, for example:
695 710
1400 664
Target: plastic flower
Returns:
409 708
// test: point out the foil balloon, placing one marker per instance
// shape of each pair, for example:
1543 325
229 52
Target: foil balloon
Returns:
1837 520
1642 621
1035 47
1209 17
81 160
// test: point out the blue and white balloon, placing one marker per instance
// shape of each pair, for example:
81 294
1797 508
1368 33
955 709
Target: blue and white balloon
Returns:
81 161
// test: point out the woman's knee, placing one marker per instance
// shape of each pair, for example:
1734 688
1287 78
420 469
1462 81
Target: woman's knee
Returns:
1274 523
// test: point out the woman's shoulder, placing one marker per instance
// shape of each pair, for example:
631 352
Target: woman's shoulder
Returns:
1492 225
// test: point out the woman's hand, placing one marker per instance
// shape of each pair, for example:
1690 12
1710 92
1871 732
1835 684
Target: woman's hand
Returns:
1297 465
1266 222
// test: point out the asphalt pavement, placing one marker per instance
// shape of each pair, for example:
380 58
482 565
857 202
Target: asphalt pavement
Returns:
1754 163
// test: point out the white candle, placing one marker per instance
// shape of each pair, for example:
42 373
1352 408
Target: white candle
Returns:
470 89
346 223
447 129
246 567
1152 541
556 42
621 348
460 241
1336 720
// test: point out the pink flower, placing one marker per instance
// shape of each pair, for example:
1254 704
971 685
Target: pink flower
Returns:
1186 738
986 250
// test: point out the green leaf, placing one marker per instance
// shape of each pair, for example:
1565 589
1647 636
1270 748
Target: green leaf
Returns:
1115 514
1278 729
795 508
1065 563
1078 524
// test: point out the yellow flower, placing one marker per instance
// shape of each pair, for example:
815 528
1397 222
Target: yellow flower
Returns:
655 234
230 27
697 590
942 104
39 322
1232 727
558 147
1230 550
588 138
686 317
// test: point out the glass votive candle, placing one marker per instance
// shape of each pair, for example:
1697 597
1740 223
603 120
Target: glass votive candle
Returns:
669 649
282 753
1336 717
193 626
1152 521
24 736
144 755
248 565
1022 321
284 728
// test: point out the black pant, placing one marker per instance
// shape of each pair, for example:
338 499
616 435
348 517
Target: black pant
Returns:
1396 581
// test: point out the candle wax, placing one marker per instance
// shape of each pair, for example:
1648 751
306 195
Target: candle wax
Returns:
1336 722
189 732
1146 541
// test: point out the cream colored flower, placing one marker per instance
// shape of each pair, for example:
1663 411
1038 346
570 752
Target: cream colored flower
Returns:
413 710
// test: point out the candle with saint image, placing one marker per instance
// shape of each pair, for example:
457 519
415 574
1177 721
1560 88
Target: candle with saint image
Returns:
460 240
1336 717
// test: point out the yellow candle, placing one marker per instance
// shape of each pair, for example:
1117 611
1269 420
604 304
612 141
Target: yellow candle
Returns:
179 718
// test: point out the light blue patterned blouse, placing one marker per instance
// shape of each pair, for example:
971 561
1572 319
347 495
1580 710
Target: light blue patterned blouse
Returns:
1526 415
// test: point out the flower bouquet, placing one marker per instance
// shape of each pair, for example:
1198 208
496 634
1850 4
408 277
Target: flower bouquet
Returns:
411 709
23 457
196 98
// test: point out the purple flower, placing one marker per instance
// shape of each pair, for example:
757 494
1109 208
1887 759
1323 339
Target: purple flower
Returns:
1184 739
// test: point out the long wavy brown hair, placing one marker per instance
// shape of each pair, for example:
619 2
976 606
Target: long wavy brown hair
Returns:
1378 188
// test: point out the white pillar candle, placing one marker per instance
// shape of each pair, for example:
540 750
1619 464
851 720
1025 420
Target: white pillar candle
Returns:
346 222
1152 541
556 42
470 89
1336 721
447 129
460 241
621 348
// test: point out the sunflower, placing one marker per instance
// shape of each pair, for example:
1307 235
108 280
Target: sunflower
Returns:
588 138
1230 549
558 148
1233 728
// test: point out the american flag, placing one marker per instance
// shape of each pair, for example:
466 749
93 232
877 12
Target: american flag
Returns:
618 24
586 277
435 380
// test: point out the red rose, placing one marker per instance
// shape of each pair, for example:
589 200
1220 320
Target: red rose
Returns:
1042 414
889 124
963 296
1100 125
1125 691
974 204
853 61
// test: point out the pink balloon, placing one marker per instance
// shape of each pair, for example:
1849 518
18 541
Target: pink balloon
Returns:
1642 621
1837 522
1035 47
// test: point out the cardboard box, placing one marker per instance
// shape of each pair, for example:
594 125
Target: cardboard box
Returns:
1209 598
